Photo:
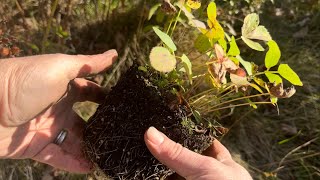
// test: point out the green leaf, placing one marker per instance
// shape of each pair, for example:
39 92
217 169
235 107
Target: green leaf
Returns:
234 49
273 78
274 100
165 38
286 72
235 60
202 43
256 87
250 23
153 10
212 11
247 65
223 43
142 68
252 44
273 55
187 65
260 33
162 60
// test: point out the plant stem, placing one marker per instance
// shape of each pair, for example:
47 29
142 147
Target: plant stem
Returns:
46 33
175 23
237 105
237 99
261 73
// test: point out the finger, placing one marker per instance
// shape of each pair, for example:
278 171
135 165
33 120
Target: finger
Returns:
218 151
83 65
55 156
88 91
72 144
185 162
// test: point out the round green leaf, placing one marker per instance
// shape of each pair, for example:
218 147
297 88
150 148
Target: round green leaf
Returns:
202 43
273 78
260 33
162 60
165 38
153 10
286 72
273 55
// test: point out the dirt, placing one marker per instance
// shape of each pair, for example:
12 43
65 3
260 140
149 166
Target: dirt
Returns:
114 135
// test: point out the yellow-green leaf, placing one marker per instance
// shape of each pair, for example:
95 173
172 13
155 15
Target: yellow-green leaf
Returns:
212 11
256 87
223 43
153 10
216 32
252 44
162 60
247 65
286 72
202 43
234 49
165 38
194 4
273 78
187 65
259 81
273 55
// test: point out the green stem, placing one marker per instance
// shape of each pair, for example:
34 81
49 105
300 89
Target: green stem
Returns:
175 23
261 73
46 33
237 99
237 105
171 21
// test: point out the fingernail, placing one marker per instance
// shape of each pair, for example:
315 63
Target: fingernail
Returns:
154 136
111 52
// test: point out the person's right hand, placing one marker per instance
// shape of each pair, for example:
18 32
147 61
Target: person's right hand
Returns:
216 165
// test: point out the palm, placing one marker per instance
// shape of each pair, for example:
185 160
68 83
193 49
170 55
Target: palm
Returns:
47 100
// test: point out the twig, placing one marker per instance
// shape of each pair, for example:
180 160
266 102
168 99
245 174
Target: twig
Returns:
296 149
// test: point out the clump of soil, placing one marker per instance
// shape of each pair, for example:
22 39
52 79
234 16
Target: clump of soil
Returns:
114 135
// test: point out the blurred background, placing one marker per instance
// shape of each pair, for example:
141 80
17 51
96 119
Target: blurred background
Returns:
270 146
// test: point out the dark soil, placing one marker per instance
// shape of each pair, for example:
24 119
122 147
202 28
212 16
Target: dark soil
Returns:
114 135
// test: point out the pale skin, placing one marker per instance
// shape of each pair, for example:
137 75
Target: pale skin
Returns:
36 98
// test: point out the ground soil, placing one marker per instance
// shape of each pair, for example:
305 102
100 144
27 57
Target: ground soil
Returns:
114 135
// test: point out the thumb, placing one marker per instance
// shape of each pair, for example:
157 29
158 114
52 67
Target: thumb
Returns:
83 65
183 161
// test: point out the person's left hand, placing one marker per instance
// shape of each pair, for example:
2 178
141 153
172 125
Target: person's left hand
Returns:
36 98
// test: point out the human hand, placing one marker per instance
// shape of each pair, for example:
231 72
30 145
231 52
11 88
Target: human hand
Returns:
216 165
36 98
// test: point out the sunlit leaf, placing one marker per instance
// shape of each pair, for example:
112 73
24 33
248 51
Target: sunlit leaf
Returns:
252 104
165 38
235 60
252 44
194 4
250 23
259 81
234 49
153 9
187 65
192 20
247 65
273 55
202 43
212 12
142 68
239 80
256 87
260 33
162 60
274 100
286 72
273 78
223 43
216 32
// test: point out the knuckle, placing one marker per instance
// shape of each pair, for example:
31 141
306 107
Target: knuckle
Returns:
174 151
